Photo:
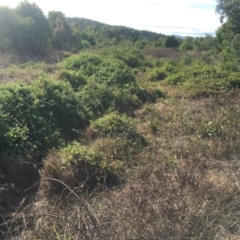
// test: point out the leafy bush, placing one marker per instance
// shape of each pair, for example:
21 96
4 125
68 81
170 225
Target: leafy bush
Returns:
131 57
114 72
97 98
176 79
234 80
34 118
110 84
170 67
149 94
114 124
157 75
88 63
74 78
187 60
126 100
109 71
78 166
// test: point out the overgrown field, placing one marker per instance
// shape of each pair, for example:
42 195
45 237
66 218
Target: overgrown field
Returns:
120 143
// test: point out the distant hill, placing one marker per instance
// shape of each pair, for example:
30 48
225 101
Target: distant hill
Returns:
113 31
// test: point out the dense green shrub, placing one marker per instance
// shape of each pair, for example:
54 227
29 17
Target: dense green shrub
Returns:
150 94
78 166
114 124
186 60
171 42
114 72
74 78
110 84
131 57
170 66
157 75
203 77
187 44
176 79
108 71
88 63
126 100
35 118
99 98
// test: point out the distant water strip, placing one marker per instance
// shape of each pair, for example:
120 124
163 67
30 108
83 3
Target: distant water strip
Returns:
182 31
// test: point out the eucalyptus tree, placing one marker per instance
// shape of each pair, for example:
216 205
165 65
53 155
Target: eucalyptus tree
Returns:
34 27
229 11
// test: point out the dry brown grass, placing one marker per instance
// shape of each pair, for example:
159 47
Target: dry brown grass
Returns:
181 200
27 67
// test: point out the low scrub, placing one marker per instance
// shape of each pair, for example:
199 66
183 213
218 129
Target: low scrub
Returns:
114 124
36 117
157 75
78 166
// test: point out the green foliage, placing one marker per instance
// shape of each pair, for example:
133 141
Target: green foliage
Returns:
204 77
204 43
176 79
150 94
74 78
131 57
110 83
229 34
115 73
114 124
99 98
186 60
96 98
62 31
157 75
187 44
8 29
34 27
87 63
140 44
36 117
90 166
229 9
104 33
207 57
170 66
26 29
171 42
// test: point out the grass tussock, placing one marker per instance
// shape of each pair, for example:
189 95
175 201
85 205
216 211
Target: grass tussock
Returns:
178 200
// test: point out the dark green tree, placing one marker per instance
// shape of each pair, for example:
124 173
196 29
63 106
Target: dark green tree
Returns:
35 29
62 31
229 11
9 33
204 43
187 44
171 42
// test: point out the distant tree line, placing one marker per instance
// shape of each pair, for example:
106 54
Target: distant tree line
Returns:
26 29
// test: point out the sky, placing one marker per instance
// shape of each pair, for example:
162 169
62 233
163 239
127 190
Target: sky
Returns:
178 17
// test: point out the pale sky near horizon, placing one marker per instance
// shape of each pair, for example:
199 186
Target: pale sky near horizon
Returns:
181 17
